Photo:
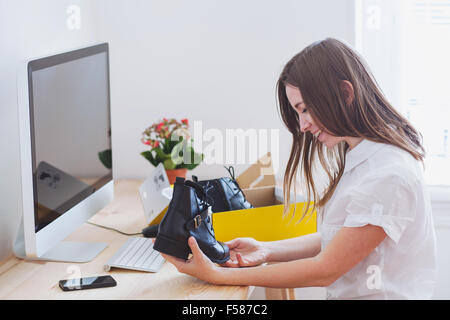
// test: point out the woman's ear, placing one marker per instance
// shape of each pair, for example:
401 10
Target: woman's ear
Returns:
347 90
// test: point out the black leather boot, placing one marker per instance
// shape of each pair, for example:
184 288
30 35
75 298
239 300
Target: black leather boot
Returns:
189 215
226 193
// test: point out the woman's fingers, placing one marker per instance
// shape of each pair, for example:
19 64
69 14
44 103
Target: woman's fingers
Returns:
240 260
196 251
193 244
230 264
232 243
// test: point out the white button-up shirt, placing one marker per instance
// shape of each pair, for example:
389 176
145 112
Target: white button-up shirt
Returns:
383 185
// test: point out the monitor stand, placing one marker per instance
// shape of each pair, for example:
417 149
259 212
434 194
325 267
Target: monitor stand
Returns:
65 251
79 252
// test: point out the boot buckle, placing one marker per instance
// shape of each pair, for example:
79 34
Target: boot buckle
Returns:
197 221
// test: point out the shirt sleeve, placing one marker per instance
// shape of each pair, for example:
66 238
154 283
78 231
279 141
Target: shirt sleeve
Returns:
385 201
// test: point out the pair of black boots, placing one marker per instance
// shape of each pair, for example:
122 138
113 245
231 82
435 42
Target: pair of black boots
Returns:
189 214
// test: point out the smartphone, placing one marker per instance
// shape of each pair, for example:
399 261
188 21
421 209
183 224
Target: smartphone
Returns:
87 283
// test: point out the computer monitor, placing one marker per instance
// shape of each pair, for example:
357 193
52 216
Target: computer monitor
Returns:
65 146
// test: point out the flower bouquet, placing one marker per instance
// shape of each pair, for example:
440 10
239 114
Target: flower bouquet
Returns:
171 144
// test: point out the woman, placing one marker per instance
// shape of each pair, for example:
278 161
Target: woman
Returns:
376 238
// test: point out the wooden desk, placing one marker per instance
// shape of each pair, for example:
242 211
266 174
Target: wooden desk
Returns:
20 279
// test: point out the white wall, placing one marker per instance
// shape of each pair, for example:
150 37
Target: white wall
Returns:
214 61
28 29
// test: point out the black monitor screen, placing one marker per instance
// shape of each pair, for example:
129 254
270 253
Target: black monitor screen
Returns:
70 129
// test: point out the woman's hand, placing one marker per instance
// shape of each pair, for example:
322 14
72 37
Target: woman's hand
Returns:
246 252
199 265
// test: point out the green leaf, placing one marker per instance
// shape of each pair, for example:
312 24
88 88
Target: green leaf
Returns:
166 146
160 155
175 154
149 156
105 157
169 164
169 144
194 156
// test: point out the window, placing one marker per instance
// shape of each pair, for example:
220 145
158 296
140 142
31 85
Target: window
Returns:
407 45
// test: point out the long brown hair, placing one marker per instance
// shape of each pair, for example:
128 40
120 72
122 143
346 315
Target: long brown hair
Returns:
318 71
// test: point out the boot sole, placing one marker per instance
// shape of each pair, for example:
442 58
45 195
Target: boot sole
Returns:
222 260
177 248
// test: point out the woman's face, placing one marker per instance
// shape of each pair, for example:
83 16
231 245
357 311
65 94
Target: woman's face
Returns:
306 122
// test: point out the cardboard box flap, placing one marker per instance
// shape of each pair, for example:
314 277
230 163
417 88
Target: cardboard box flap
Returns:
258 174
261 196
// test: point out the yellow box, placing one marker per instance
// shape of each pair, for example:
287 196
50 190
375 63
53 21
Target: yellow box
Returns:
264 222
160 216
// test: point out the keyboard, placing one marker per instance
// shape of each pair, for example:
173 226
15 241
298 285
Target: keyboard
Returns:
136 254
